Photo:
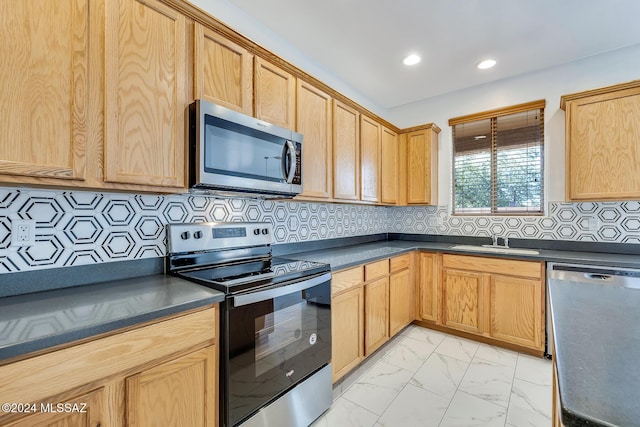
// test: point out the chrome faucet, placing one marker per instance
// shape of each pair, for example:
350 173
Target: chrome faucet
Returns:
505 241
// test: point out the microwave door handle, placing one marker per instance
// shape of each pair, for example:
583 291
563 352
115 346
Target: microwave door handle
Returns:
285 169
280 291
292 161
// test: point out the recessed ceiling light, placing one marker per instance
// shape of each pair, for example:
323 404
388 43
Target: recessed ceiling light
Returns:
487 63
411 60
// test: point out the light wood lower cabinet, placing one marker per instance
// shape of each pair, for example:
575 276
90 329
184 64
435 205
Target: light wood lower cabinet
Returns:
462 295
347 320
376 311
161 374
497 298
428 280
400 300
347 331
91 415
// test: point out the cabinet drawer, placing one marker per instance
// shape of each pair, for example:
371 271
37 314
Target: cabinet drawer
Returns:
400 262
508 267
346 279
376 269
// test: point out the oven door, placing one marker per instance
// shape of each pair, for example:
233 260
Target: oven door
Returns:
276 338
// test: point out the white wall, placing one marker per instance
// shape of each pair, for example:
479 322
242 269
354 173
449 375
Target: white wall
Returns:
254 30
550 84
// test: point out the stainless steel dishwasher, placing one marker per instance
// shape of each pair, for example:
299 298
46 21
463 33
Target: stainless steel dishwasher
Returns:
613 276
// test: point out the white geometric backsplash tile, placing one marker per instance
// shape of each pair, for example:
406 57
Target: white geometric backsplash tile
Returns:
81 227
611 222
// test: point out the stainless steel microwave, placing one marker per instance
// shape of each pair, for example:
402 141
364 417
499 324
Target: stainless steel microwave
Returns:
230 152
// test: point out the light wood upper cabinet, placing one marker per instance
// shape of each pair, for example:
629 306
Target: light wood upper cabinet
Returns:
223 71
44 93
602 149
314 121
275 94
389 172
428 283
422 166
369 159
346 152
178 392
146 95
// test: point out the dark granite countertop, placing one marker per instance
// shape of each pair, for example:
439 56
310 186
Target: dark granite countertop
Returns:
36 321
597 348
349 256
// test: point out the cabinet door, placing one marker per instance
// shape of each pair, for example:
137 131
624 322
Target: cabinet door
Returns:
389 172
85 411
146 94
347 331
44 89
275 94
602 146
376 323
369 159
463 296
516 310
422 167
313 112
223 71
181 392
428 280
400 313
346 152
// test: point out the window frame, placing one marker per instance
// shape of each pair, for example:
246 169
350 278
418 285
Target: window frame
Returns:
493 116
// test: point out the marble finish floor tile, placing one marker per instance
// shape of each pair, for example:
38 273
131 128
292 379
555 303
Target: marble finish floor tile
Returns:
458 348
530 405
429 378
534 369
414 407
409 353
346 413
440 374
466 410
488 381
498 355
377 388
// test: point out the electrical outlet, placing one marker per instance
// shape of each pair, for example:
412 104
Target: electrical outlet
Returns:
23 232
593 224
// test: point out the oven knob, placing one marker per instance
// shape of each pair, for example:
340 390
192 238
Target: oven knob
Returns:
265 231
256 231
197 235
185 235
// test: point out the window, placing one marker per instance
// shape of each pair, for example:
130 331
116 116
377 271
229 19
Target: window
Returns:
498 161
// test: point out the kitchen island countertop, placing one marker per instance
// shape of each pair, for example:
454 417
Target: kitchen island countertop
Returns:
597 348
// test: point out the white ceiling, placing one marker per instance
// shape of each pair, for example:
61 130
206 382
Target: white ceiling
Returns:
363 42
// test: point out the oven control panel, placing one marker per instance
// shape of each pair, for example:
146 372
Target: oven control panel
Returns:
204 236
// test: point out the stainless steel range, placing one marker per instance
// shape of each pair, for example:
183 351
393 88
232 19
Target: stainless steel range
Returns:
275 344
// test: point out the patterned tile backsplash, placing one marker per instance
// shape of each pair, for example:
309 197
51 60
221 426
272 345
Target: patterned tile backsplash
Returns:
79 227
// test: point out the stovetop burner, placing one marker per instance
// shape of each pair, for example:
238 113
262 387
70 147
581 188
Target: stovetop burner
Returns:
237 277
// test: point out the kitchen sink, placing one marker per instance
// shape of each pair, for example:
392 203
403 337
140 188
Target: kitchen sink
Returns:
496 249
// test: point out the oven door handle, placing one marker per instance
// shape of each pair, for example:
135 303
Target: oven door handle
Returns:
268 294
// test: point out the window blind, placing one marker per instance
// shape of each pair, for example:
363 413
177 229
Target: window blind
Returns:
498 161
